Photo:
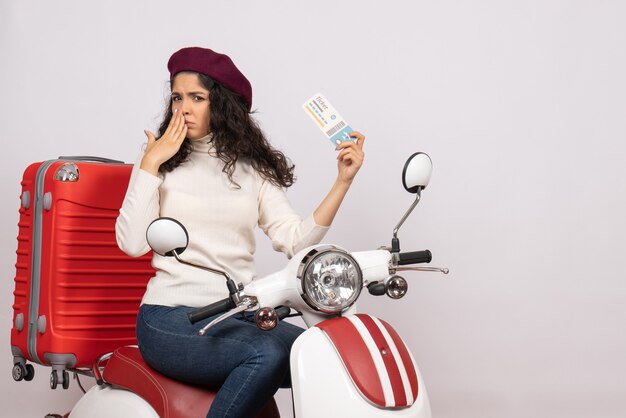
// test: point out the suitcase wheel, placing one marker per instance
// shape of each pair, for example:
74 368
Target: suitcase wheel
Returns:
30 372
66 379
23 372
54 379
19 371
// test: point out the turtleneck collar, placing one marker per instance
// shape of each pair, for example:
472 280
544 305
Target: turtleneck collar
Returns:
203 144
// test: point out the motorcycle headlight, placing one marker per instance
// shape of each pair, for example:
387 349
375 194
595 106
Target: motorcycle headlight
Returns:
331 279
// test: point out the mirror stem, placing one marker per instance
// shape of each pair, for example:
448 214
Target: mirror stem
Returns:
406 215
221 273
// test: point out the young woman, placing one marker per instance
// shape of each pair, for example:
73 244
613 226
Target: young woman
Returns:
212 168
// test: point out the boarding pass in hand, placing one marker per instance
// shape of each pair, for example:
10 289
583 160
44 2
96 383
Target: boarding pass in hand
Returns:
327 119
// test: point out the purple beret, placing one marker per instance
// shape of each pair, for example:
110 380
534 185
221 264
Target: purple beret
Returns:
213 64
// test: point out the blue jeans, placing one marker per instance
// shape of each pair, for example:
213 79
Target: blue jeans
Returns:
247 364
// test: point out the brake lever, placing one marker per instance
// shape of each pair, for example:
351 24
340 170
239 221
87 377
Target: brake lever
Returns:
435 269
247 302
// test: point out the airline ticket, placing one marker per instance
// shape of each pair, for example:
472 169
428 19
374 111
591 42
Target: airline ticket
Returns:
328 119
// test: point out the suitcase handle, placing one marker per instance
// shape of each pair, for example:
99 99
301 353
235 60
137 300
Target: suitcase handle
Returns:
89 158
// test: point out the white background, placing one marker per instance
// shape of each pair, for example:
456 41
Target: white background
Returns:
521 105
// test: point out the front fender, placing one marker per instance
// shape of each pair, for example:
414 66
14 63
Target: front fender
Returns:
338 377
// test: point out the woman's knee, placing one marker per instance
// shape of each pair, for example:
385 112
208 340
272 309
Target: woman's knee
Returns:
271 355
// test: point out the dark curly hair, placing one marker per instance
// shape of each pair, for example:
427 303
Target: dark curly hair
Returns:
235 135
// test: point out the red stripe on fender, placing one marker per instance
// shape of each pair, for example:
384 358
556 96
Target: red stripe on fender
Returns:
406 357
355 357
390 363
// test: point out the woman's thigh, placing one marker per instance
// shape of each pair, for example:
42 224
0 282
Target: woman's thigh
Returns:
171 344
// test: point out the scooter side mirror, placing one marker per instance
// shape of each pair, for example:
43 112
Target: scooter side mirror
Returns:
416 172
167 237
415 178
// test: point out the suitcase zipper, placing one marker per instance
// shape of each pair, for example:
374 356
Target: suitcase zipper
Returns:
35 283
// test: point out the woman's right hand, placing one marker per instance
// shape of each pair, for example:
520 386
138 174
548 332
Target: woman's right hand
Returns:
161 150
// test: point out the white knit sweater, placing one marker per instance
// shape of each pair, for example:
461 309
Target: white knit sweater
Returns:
220 219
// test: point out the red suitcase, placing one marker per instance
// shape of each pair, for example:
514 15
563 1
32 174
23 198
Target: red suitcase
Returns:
76 293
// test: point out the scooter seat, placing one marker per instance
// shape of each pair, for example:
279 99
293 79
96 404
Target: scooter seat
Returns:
170 398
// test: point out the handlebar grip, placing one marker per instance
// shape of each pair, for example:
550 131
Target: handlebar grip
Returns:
213 309
283 312
376 289
415 257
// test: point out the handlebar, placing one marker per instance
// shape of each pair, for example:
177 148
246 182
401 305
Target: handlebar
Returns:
282 312
376 289
207 311
415 257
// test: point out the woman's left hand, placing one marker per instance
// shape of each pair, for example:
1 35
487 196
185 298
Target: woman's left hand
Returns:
350 157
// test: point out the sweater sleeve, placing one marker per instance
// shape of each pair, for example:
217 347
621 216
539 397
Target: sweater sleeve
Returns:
140 207
288 232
